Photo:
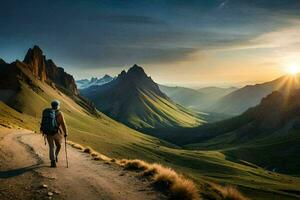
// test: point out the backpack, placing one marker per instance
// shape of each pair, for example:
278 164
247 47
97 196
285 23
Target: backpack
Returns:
49 124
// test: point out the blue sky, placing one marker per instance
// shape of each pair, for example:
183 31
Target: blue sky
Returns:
192 43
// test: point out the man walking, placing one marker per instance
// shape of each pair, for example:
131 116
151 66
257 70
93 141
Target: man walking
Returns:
53 127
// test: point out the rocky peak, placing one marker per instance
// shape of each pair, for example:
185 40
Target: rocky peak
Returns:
2 61
136 77
136 71
93 79
36 62
106 77
46 70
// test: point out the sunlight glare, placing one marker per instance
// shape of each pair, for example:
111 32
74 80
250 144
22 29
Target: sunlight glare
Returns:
293 69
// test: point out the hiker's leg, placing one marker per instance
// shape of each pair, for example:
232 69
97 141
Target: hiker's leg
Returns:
58 147
51 147
57 140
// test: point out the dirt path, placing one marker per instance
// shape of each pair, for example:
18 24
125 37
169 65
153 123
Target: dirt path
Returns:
24 168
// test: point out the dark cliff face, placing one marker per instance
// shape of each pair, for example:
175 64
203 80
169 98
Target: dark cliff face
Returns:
60 77
46 70
36 62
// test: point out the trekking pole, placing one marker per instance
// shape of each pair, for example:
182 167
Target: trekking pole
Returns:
66 152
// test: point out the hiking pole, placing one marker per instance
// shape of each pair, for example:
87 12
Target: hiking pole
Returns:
66 152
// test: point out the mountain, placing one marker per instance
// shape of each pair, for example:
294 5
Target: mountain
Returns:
85 83
201 99
185 96
136 100
266 134
216 92
240 100
46 70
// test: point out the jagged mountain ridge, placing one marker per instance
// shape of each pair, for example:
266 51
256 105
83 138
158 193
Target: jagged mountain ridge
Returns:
18 75
136 100
85 83
47 70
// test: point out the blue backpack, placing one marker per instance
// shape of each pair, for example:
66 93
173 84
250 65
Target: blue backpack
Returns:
49 124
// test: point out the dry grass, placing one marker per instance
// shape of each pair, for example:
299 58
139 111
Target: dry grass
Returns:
165 179
134 164
229 193
103 157
76 146
88 150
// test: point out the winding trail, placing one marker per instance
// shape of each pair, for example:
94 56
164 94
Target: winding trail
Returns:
24 168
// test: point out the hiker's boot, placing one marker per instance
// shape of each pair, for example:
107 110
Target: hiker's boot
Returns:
53 163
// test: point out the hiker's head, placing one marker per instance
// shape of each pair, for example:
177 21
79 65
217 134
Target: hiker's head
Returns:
55 104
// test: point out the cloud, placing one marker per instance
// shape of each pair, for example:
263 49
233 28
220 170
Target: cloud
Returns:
133 19
111 56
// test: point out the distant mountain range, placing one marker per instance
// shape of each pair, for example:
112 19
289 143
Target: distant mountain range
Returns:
136 100
240 100
200 99
85 83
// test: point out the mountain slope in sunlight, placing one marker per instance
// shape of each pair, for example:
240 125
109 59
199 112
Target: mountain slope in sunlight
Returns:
240 100
267 134
136 100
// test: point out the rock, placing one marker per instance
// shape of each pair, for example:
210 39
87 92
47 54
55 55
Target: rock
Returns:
36 62
60 77
47 71
50 194
44 186
57 192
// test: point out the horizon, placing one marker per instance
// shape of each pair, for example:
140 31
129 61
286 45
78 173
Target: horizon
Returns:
175 43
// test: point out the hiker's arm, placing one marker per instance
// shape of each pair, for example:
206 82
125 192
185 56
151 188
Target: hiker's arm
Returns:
62 122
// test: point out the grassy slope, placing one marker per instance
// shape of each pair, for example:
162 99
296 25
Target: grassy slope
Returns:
116 140
167 112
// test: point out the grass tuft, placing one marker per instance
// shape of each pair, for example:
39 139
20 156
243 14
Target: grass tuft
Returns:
78 146
88 150
134 164
165 179
229 193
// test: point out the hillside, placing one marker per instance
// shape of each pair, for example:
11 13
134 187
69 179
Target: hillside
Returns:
266 134
240 100
185 96
136 100
217 92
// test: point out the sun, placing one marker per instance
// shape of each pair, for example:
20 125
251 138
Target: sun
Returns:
293 69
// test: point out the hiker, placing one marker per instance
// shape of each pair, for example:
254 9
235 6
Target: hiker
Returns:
53 127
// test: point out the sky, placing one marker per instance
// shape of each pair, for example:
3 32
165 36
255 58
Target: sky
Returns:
191 43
